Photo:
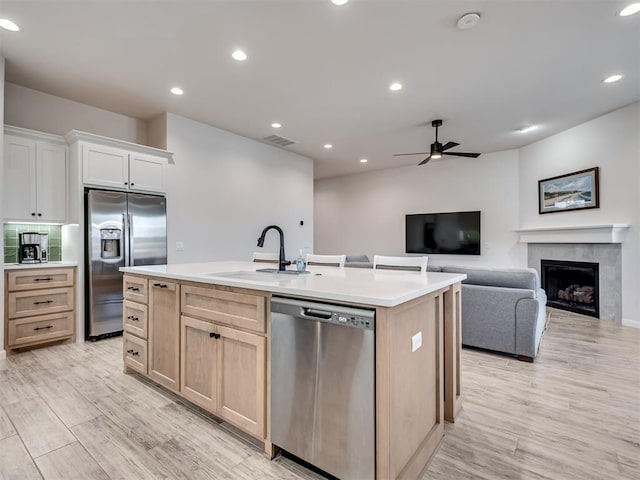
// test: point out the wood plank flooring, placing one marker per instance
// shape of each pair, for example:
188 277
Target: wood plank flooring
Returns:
69 412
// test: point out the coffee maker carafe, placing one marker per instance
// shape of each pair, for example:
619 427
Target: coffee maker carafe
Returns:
33 247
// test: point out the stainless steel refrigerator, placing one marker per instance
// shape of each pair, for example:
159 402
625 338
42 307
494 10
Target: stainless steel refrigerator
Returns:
123 229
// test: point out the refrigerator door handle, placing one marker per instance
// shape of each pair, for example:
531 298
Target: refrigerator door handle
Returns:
130 230
125 239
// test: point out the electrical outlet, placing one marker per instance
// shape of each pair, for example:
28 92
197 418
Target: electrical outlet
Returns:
416 341
179 246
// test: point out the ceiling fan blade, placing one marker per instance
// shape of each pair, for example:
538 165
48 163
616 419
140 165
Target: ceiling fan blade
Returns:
462 154
402 154
449 145
425 160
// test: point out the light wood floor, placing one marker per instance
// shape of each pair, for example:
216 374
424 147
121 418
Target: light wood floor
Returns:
68 412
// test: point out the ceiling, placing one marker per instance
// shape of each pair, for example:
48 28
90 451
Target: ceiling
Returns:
324 71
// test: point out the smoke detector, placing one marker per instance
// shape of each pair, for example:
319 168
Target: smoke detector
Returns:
468 20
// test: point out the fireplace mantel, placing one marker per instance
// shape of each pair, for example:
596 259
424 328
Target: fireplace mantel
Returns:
612 233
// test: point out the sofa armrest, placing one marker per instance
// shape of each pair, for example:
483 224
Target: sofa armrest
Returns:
530 323
489 316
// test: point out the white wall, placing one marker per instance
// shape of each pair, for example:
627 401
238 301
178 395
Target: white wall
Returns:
611 142
36 110
365 213
224 189
2 352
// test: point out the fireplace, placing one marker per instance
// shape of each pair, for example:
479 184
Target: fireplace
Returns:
571 286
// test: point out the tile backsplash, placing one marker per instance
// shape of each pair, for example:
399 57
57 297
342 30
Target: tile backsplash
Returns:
11 243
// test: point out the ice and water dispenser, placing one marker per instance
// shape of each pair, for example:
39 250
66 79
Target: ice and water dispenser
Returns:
110 243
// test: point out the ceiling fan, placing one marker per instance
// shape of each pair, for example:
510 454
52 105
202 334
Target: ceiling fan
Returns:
437 149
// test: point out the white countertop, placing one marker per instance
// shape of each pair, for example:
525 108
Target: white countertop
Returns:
385 288
26 266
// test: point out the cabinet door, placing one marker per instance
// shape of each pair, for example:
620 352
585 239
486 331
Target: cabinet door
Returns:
198 362
105 166
241 379
51 181
164 333
147 173
19 186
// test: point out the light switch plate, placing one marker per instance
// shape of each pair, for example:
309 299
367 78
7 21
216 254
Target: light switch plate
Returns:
416 341
179 246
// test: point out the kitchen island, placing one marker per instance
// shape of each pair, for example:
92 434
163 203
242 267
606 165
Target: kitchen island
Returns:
203 331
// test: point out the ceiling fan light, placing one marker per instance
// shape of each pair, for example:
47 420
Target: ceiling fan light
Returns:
436 150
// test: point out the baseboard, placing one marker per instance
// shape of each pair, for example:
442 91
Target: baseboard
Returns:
627 322
3 354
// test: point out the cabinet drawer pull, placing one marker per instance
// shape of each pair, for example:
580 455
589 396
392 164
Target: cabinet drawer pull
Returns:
48 279
160 285
214 335
130 350
43 328
133 289
45 301
135 354
133 319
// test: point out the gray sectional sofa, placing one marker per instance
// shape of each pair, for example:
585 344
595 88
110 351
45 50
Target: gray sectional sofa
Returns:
503 310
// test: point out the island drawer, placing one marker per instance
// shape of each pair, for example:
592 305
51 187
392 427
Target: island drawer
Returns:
43 328
39 278
39 302
226 305
135 318
135 289
135 353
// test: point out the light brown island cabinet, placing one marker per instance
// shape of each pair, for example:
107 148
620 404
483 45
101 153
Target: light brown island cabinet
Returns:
223 346
164 333
223 370
40 306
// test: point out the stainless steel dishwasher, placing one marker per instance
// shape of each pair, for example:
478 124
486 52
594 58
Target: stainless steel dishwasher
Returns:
323 385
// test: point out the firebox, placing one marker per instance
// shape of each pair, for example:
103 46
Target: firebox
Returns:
571 286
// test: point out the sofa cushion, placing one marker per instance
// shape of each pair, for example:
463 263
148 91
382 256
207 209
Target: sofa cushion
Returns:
434 268
526 278
357 259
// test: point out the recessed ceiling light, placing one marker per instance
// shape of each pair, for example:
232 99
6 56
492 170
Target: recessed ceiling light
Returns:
630 10
527 129
239 55
363 160
612 78
276 125
177 91
328 146
9 25
468 20
339 2
394 87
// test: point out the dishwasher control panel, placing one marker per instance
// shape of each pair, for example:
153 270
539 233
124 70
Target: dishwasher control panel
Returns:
353 320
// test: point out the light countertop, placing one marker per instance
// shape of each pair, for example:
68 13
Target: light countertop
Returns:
385 288
26 266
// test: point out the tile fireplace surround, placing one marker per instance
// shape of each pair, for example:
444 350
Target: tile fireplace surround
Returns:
608 256
601 244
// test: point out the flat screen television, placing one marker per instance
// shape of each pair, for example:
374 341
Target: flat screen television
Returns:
455 233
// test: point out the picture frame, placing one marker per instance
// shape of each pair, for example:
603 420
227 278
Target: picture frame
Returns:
572 191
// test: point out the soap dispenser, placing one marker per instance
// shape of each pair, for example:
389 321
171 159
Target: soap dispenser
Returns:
301 264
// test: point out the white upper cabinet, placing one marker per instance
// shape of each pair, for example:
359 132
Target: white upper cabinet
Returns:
147 173
105 166
120 165
35 177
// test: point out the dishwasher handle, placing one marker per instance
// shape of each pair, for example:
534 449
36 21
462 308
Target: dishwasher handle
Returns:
315 313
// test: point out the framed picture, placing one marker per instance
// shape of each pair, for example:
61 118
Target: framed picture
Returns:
573 191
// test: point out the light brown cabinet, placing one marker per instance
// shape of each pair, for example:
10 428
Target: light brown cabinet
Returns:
164 333
36 312
241 379
199 362
207 343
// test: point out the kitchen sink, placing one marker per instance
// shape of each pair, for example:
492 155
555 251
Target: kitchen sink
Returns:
262 275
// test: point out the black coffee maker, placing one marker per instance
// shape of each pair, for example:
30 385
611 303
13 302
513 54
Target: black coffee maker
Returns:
33 247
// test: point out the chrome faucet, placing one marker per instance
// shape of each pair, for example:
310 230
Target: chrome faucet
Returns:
282 263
